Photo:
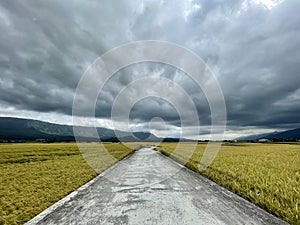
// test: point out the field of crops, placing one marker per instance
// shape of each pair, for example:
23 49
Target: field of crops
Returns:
268 175
34 176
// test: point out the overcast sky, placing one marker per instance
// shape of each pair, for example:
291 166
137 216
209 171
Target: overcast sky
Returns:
252 47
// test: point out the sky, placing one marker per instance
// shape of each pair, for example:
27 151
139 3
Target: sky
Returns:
251 46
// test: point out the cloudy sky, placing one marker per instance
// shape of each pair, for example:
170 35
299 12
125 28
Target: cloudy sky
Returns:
251 46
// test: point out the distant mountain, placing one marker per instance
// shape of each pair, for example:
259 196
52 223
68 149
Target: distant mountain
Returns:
13 129
289 134
254 136
285 135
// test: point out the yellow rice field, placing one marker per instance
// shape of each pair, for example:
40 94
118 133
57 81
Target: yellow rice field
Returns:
266 174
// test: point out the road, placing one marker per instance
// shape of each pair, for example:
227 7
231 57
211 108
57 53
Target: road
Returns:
149 188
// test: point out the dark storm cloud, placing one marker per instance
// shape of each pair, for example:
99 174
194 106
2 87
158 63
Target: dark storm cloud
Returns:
155 105
265 68
45 48
254 52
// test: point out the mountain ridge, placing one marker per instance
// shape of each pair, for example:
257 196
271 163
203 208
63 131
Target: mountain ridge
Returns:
29 130
292 134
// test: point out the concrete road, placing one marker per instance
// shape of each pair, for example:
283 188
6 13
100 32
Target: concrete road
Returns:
149 188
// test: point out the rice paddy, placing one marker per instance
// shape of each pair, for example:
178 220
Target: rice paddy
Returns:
35 176
266 174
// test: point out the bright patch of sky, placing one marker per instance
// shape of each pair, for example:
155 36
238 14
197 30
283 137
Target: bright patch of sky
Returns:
269 3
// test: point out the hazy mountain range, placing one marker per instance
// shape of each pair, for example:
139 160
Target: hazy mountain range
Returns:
27 129
15 129
285 135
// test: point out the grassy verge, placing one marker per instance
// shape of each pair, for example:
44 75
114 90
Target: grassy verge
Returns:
34 176
268 175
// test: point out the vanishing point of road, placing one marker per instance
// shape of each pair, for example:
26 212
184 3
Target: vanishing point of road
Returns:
149 188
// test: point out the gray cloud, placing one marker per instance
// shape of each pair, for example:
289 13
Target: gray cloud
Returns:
254 52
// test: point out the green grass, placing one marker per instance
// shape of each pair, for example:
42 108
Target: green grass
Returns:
268 175
34 176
